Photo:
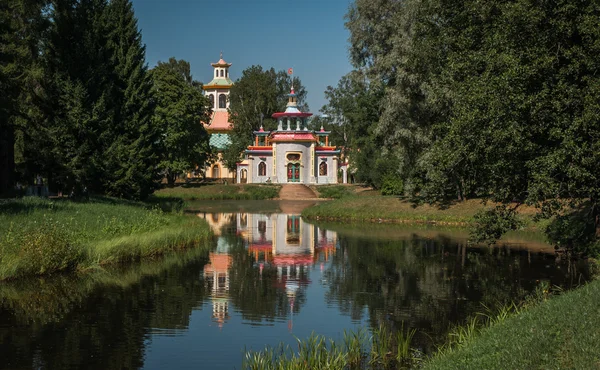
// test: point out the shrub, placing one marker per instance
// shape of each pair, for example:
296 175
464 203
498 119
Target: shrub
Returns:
392 185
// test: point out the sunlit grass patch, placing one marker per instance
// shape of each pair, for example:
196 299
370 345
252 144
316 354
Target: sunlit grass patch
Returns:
221 192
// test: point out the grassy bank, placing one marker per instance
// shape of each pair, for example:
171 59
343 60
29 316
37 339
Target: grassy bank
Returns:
41 236
220 192
562 333
379 208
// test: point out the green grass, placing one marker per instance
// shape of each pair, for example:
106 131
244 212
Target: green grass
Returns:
40 236
561 333
378 208
220 192
333 191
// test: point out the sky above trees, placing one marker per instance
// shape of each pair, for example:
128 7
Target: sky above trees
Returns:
308 36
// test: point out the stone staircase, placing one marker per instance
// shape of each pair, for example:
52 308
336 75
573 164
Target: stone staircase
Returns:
296 192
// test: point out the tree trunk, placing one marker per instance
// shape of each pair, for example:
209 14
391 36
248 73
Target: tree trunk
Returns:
7 159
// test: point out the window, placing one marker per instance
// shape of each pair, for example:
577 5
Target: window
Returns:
323 169
211 97
216 173
216 73
262 169
222 73
222 101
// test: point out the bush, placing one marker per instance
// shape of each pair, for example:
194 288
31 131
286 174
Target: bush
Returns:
392 185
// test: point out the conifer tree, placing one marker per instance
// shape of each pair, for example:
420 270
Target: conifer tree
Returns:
21 26
132 157
80 95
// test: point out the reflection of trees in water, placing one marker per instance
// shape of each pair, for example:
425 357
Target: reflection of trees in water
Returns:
429 283
84 323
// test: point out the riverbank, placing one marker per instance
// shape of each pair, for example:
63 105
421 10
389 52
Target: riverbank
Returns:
378 208
42 236
561 333
220 192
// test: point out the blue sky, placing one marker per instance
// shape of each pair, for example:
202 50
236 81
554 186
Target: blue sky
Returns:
308 35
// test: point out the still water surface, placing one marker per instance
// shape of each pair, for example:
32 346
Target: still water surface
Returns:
268 277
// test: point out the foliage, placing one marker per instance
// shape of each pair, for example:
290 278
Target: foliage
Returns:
478 104
253 99
132 157
22 24
181 107
491 224
392 185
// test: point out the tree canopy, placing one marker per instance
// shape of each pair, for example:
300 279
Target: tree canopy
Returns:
181 109
492 100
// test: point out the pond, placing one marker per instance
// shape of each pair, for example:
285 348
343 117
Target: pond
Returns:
269 277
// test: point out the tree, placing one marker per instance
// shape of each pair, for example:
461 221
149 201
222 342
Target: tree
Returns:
80 96
253 100
180 109
22 24
132 157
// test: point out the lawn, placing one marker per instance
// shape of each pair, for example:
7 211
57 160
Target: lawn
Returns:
380 208
220 192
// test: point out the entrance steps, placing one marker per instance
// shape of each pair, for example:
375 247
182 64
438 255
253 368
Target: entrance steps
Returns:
296 192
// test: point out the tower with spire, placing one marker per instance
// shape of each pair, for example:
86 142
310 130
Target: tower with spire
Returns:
219 127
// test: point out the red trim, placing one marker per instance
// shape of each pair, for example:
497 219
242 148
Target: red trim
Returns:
325 148
259 148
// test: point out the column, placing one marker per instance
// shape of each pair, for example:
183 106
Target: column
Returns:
298 123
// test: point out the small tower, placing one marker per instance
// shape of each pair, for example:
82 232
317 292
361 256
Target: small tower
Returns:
217 90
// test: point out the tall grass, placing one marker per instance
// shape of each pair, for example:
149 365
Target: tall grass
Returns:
41 236
384 349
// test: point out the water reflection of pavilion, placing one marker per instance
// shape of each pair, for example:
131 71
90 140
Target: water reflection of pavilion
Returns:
216 276
282 244
288 244
284 241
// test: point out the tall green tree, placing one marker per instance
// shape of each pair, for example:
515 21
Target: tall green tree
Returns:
253 99
132 157
180 110
80 96
22 26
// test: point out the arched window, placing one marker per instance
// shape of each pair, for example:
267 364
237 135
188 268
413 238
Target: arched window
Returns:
222 101
216 173
216 73
262 169
211 97
243 176
222 75
323 169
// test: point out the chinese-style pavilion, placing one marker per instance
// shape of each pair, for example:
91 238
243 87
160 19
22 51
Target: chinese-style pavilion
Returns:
290 154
